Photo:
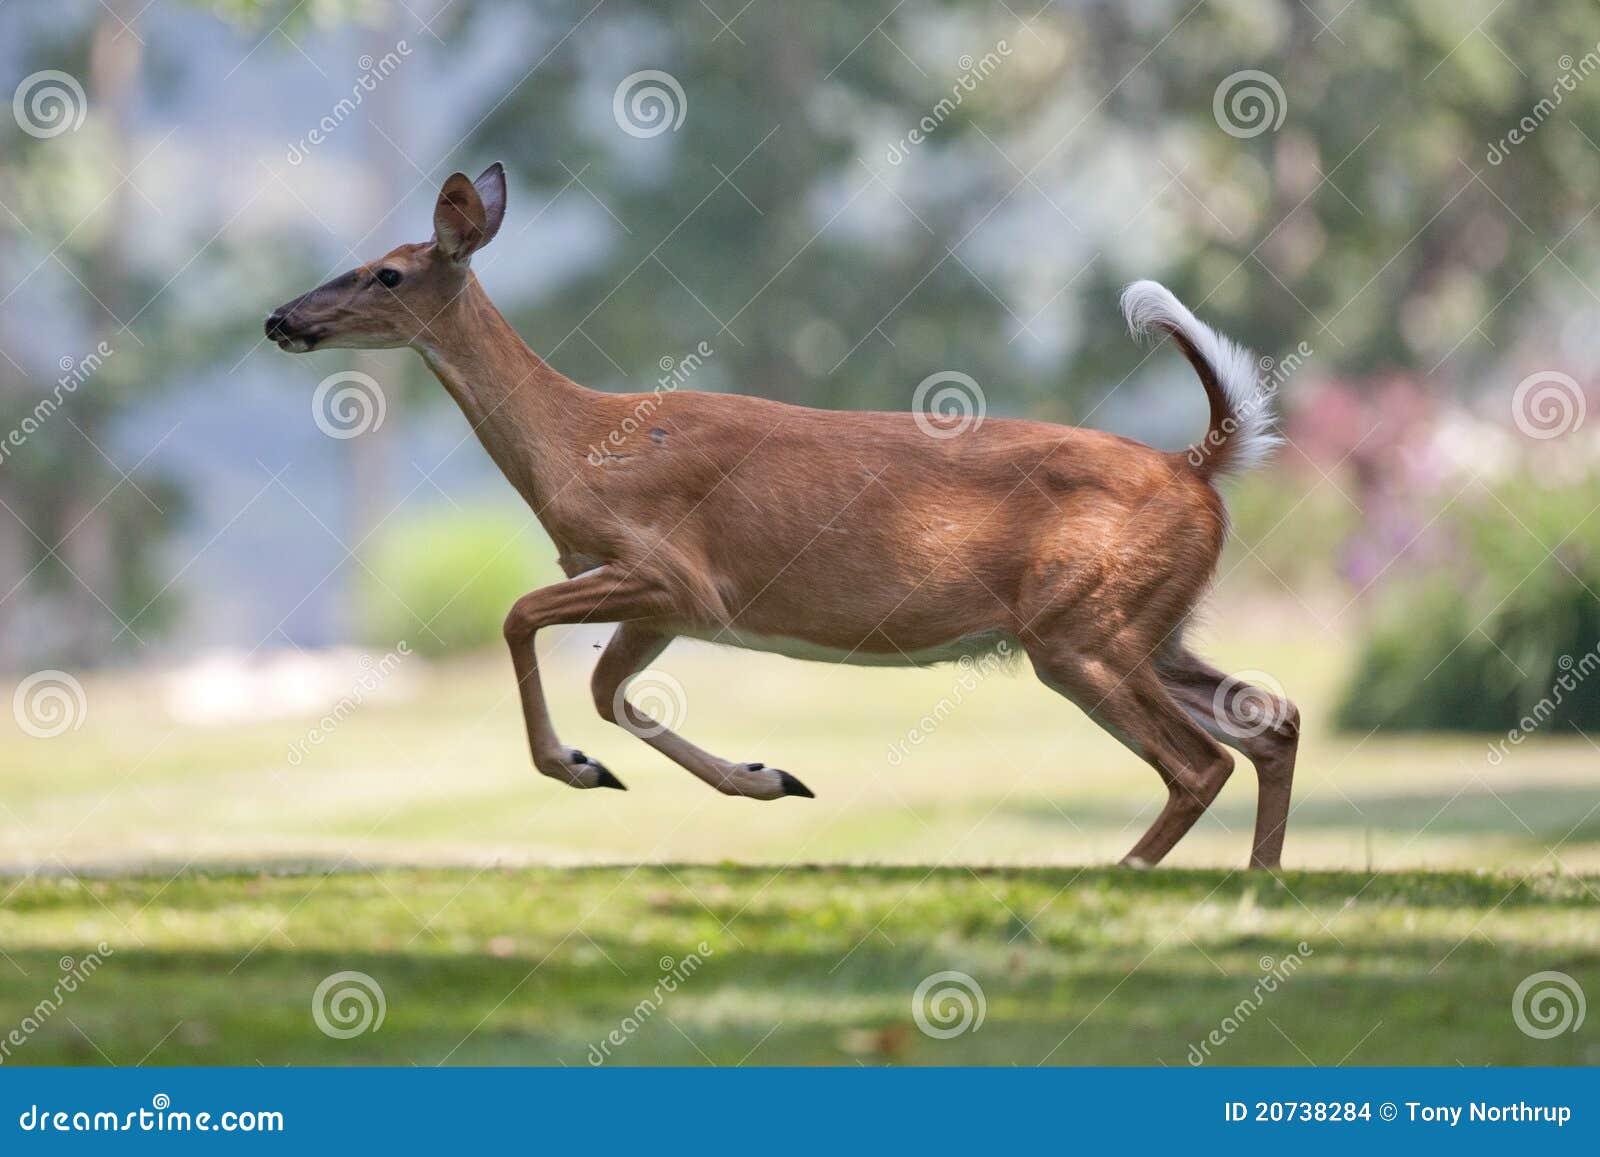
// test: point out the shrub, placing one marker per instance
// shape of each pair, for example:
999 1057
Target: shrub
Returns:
1503 625
443 579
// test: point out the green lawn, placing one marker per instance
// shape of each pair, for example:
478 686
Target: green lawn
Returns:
804 966
434 769
416 845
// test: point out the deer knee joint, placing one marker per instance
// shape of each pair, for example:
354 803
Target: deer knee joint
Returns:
519 625
607 692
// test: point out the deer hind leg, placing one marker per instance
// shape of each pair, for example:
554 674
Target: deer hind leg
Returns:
630 651
1264 726
606 593
1137 709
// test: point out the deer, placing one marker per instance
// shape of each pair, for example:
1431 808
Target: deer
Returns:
861 538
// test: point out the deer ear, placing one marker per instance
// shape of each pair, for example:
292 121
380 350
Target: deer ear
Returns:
491 186
460 222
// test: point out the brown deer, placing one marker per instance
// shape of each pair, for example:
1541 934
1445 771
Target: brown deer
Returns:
865 538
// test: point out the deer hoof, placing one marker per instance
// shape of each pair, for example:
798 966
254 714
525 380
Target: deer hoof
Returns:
580 771
758 781
792 786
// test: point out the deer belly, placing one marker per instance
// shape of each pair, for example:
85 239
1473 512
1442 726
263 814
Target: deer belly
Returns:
876 651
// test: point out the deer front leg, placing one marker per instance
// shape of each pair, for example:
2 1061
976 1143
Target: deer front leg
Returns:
630 651
606 593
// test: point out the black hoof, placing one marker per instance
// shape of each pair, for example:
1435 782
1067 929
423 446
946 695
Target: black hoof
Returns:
792 786
604 778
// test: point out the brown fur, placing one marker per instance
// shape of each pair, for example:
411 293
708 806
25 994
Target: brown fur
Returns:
853 535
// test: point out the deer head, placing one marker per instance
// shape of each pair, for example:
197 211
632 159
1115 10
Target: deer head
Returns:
394 300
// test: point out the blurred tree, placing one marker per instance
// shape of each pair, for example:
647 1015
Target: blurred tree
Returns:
1370 221
78 551
1389 220
768 223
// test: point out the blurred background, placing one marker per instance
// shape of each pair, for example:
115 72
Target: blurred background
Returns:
249 615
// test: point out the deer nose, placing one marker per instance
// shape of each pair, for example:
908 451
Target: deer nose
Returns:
274 325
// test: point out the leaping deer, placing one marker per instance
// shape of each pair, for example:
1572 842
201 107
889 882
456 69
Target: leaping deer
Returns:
844 535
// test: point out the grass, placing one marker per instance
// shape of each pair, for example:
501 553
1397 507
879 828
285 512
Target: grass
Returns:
806 966
434 769
415 844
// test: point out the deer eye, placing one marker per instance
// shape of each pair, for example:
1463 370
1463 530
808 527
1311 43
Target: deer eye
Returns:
389 278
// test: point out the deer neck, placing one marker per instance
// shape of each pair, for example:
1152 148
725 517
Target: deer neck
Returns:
528 416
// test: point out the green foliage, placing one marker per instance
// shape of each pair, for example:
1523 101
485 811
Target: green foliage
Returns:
1287 531
444 579
1505 626
1376 221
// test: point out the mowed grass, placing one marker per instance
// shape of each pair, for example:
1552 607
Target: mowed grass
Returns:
799 966
415 844
433 769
